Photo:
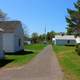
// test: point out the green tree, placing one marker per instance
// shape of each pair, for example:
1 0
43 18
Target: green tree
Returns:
35 38
73 19
41 38
3 16
50 35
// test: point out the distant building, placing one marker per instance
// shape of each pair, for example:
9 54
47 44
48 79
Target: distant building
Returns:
27 42
64 40
77 40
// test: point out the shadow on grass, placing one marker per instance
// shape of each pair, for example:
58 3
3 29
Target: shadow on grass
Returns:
70 45
4 62
23 52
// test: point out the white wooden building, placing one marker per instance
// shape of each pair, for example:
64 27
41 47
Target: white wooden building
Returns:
11 37
64 40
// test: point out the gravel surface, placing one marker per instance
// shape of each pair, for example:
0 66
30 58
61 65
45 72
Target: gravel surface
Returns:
44 66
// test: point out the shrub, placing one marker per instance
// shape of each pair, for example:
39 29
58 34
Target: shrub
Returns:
78 48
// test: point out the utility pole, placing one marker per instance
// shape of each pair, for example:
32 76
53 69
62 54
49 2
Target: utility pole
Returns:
45 32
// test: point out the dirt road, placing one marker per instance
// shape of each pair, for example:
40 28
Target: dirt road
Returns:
44 66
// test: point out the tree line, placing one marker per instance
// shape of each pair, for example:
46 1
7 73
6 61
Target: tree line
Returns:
36 38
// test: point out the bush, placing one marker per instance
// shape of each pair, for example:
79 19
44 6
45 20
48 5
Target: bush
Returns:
78 48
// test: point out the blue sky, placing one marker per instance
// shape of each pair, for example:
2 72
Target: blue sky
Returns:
37 14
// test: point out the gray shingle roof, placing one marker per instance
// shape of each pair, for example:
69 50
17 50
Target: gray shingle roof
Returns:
9 26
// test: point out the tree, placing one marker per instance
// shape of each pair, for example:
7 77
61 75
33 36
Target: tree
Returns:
3 16
34 37
73 20
26 33
41 38
50 35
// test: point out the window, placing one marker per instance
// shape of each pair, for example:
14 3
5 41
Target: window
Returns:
68 41
19 42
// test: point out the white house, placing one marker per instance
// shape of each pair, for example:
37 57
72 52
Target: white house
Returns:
64 40
78 40
11 37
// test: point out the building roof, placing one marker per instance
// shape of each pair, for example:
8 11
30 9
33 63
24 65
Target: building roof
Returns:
9 26
65 37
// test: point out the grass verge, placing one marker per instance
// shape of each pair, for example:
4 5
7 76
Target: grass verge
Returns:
18 59
69 60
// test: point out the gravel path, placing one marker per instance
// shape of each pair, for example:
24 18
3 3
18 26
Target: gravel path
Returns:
44 66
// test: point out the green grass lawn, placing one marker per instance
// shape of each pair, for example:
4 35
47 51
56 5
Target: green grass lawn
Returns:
13 60
69 61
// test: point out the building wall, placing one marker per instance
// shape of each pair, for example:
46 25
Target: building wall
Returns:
65 42
78 40
0 41
13 42
1 49
19 39
8 42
